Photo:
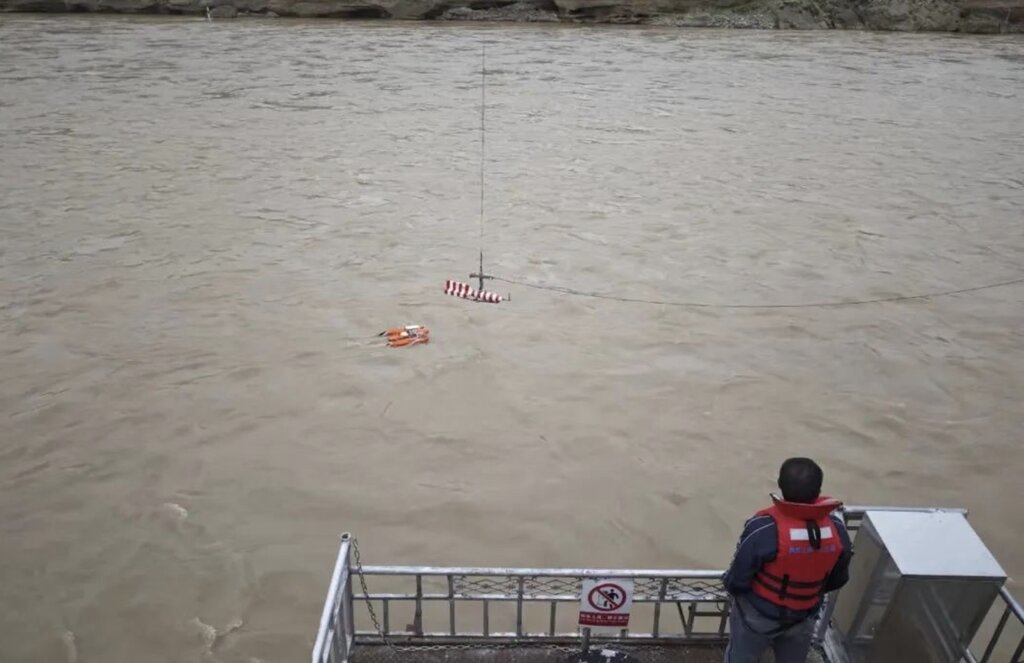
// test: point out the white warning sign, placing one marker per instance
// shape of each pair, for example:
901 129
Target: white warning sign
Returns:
605 604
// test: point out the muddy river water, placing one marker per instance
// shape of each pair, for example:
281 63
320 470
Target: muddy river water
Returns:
202 225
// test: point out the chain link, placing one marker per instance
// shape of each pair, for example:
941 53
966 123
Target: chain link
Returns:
366 595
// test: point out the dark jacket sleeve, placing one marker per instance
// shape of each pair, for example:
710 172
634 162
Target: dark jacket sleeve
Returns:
758 544
841 571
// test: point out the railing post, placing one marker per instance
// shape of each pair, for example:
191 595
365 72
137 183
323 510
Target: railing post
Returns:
348 611
451 605
519 606
662 590
825 618
328 617
995 635
1020 650
417 620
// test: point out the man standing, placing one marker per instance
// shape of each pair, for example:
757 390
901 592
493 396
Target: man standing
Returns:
788 557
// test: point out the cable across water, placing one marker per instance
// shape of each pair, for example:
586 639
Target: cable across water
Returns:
788 305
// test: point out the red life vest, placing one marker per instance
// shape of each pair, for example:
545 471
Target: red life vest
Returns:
809 547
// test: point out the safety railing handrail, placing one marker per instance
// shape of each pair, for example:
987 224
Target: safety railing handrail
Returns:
1012 603
1014 608
859 510
695 574
336 632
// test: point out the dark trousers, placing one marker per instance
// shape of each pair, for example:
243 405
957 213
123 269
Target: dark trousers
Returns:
751 634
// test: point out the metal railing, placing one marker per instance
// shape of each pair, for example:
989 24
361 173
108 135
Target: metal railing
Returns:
693 595
1012 608
510 606
336 635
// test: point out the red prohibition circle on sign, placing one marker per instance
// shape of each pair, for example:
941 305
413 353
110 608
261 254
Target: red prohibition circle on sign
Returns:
607 597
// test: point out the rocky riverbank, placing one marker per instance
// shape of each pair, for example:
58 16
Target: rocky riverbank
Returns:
971 16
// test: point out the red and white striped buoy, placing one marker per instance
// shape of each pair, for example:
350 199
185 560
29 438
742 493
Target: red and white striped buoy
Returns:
466 291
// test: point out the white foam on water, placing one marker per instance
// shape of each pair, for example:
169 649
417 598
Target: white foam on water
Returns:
206 632
175 510
68 638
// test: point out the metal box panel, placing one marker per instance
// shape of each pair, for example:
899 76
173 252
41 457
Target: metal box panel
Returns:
862 606
933 620
920 585
939 544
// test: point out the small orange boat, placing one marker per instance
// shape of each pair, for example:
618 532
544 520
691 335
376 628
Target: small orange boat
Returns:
408 335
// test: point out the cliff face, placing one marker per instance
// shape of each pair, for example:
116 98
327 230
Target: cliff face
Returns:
975 16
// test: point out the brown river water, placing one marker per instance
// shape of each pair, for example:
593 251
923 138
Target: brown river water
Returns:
202 225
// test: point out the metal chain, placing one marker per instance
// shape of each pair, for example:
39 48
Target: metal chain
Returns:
366 594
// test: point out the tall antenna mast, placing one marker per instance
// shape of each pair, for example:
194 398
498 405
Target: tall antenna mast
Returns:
457 288
480 275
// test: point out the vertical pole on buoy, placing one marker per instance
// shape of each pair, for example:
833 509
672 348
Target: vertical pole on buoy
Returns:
480 275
